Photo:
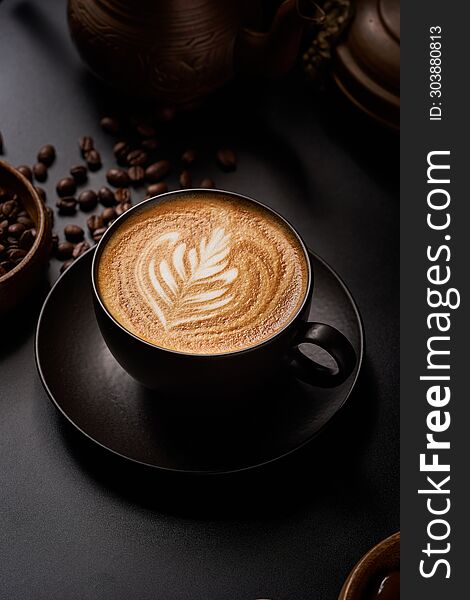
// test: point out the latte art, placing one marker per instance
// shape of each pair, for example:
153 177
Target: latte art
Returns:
203 274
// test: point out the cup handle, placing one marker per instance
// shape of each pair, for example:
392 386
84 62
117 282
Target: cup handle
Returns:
332 341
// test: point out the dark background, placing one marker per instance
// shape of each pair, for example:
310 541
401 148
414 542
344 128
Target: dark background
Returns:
75 525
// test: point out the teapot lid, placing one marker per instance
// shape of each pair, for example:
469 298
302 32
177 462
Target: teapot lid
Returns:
367 60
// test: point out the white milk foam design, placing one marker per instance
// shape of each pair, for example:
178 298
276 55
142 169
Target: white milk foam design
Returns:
188 285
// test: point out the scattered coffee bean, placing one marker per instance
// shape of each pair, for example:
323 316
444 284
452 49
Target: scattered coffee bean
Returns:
79 173
188 157
66 187
106 197
46 155
87 200
55 241
1 143
64 250
80 249
93 160
110 125
65 265
109 214
137 158
41 193
27 239
95 222
156 189
146 131
16 229
98 233
121 150
86 144
185 179
227 159
67 205
26 172
150 145
207 183
120 209
50 215
136 174
122 195
73 233
40 172
117 177
157 171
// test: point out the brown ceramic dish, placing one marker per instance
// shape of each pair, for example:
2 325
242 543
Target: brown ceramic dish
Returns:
379 561
17 283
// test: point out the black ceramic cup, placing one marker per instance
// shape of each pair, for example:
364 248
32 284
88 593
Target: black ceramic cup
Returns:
220 376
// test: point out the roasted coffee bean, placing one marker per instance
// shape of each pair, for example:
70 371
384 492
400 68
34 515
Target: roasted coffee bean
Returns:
95 222
2 249
55 241
1 143
93 160
73 233
145 131
227 159
66 187
6 266
27 239
157 171
9 208
86 144
16 229
121 150
117 177
16 253
110 125
156 189
150 145
87 200
26 221
41 193
207 183
40 172
67 205
137 158
98 234
79 173
136 174
64 250
122 195
65 265
106 197
26 172
188 157
80 249
122 208
50 214
109 214
185 179
46 155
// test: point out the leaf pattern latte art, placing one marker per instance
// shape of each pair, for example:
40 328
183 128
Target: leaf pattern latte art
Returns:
188 284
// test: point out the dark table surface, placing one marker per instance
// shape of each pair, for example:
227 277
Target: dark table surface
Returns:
74 525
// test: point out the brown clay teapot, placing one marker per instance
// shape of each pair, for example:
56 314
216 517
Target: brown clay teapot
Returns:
179 51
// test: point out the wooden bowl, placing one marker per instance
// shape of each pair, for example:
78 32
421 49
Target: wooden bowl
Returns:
20 281
382 559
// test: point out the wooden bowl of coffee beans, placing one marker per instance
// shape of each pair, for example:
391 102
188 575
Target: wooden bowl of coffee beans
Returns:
25 237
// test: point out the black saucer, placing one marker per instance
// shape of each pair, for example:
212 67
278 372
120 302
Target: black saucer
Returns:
98 398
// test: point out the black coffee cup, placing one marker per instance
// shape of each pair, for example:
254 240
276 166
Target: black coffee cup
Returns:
220 376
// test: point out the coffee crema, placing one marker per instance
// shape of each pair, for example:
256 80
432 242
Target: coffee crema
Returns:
203 273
